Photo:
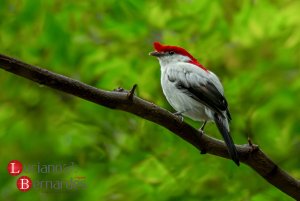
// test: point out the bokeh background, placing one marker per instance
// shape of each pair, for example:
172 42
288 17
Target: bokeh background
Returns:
253 45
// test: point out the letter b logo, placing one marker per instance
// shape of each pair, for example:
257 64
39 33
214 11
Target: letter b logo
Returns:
24 183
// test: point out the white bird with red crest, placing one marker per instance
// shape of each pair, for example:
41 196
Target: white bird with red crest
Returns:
194 91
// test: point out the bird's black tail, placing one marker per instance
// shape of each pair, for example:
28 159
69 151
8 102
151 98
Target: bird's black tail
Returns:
227 138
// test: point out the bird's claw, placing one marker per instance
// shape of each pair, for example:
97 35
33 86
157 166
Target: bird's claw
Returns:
201 131
202 127
179 115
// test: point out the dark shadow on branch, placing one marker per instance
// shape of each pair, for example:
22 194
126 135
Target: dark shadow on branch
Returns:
124 100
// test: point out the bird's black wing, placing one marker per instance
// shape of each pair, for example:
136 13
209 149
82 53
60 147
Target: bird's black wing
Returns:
204 92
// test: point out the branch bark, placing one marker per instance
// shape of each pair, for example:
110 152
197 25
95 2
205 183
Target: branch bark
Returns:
124 100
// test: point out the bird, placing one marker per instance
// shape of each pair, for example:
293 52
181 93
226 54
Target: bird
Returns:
194 91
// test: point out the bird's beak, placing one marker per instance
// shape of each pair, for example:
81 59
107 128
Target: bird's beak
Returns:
156 54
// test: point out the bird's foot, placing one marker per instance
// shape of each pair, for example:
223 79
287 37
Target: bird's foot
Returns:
202 127
200 134
179 115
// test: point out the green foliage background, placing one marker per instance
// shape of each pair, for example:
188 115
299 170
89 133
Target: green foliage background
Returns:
252 45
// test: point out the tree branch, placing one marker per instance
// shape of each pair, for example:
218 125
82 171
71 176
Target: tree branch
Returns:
124 100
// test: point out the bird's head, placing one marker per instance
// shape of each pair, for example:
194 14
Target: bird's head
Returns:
168 54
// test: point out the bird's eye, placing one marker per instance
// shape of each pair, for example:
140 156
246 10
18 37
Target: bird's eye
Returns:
171 52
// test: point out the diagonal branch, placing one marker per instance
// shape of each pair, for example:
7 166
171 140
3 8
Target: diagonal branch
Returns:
124 100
